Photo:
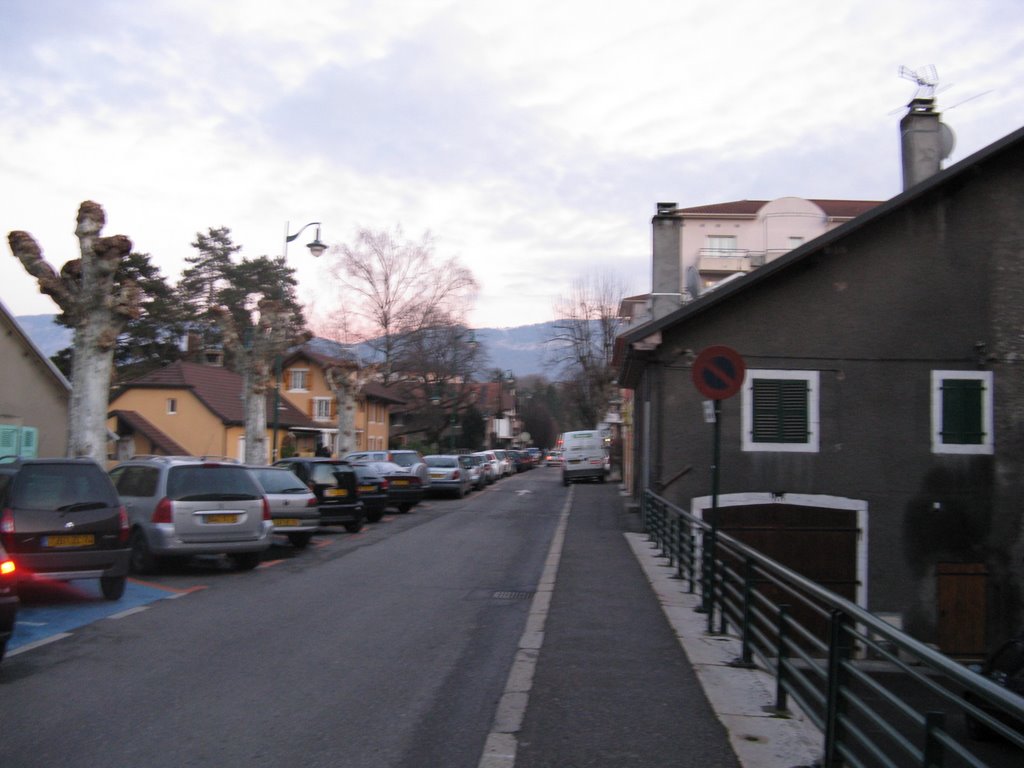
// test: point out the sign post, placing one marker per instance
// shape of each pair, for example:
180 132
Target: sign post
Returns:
718 374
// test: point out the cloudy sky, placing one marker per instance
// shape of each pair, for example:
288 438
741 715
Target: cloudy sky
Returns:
531 138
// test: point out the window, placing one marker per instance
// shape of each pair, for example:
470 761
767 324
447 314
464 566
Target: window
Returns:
298 379
721 245
795 242
962 412
322 408
780 411
172 405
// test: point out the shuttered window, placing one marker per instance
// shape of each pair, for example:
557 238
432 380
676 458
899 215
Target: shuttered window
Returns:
780 410
962 412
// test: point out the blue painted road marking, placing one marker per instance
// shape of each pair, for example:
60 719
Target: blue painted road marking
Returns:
60 608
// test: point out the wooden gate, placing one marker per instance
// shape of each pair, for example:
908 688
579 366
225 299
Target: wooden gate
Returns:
819 543
962 589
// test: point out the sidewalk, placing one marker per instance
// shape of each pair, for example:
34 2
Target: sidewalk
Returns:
603 682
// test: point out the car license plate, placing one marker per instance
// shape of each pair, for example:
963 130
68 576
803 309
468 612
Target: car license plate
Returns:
574 461
220 519
399 482
367 488
436 475
76 540
285 522
337 492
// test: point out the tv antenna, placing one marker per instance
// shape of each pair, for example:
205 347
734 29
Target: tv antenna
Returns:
927 78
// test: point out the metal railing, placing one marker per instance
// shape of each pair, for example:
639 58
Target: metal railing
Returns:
879 697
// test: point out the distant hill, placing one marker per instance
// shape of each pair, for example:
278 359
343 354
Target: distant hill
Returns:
519 349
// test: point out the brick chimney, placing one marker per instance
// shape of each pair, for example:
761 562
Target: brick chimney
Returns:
924 140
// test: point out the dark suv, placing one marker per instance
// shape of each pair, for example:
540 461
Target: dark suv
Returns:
336 487
61 519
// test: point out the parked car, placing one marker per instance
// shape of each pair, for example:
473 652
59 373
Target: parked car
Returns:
372 488
180 506
294 510
405 490
8 598
1004 667
477 469
553 458
411 461
448 474
334 483
504 462
61 519
492 465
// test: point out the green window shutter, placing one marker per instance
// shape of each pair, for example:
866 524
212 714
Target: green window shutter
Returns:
9 440
780 411
962 411
29 443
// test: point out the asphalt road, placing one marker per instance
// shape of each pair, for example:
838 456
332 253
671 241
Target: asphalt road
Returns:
386 648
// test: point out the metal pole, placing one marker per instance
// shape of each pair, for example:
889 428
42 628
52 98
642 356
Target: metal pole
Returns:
277 404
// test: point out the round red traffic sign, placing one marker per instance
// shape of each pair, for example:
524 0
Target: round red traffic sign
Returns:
718 372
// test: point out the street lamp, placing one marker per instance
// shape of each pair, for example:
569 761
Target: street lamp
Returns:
317 248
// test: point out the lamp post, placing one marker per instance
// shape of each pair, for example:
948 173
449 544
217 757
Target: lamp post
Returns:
316 248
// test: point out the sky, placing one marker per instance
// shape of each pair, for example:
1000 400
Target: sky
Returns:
531 139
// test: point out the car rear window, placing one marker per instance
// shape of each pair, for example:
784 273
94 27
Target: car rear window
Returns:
205 482
60 486
441 461
404 459
323 473
279 481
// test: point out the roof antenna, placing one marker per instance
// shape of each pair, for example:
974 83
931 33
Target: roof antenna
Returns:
926 78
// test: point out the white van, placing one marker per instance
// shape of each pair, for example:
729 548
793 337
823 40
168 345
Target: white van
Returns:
583 456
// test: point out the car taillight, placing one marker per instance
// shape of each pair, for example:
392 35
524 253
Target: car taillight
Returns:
312 502
125 531
266 509
163 511
6 567
384 484
7 528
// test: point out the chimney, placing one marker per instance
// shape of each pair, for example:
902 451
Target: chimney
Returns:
666 262
925 141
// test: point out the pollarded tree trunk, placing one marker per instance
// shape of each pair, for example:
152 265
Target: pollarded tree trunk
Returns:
345 382
97 308
257 349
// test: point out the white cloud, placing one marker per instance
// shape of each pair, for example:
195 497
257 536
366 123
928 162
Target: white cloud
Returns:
532 138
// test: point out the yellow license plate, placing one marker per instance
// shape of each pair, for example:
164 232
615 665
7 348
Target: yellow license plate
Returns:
399 482
76 540
367 488
221 518
335 492
436 475
285 522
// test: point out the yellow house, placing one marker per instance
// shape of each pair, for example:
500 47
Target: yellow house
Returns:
33 399
304 384
195 409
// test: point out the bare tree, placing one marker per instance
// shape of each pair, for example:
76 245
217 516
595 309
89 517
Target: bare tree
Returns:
97 306
346 380
583 342
400 287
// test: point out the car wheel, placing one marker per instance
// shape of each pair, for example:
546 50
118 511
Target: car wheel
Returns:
565 481
246 561
112 586
142 560
355 527
403 508
600 479
374 517
300 540
3 648
459 492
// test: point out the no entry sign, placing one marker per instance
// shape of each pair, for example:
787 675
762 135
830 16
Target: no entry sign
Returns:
718 372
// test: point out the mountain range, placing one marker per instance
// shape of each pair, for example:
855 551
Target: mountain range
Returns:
520 349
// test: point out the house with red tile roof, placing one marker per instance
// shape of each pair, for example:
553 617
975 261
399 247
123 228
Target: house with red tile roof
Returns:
194 409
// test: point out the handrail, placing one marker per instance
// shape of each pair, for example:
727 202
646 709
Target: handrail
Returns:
837 661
